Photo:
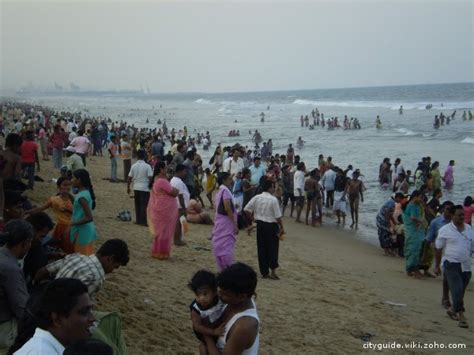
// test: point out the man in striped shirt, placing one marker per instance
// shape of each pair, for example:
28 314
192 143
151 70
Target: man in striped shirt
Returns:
91 270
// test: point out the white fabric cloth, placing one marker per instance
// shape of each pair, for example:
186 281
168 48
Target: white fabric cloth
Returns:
81 144
178 184
72 135
233 167
397 170
329 179
42 343
252 312
458 246
141 172
340 204
265 207
213 314
298 183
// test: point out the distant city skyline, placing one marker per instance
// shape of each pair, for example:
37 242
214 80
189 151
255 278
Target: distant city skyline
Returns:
51 88
214 47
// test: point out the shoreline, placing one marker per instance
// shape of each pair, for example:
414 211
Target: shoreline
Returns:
331 294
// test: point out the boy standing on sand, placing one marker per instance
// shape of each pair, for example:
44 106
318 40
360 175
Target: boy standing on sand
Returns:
298 186
356 188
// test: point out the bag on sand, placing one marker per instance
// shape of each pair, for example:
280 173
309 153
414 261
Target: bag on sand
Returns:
184 225
124 216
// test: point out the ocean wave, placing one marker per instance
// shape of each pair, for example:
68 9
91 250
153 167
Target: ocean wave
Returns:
203 101
406 131
468 140
388 105
239 103
225 110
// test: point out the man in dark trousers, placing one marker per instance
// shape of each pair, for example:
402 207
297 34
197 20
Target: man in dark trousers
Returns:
266 211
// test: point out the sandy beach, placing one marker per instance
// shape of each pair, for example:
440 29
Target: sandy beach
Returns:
335 290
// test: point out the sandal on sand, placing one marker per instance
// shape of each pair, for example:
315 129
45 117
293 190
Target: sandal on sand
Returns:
274 277
452 315
446 304
463 324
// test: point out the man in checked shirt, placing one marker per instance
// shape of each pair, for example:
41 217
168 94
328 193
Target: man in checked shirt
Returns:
91 270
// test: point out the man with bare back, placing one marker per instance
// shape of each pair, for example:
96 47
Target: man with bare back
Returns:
355 189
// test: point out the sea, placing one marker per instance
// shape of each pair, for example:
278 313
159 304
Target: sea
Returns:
408 136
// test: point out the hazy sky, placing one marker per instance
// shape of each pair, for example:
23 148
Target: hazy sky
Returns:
235 46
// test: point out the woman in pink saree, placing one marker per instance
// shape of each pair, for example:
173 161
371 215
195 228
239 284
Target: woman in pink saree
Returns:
162 213
448 177
224 233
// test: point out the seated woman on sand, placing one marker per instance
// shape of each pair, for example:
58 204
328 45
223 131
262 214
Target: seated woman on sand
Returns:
195 213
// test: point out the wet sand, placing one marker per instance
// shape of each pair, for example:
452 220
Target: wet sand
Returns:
331 295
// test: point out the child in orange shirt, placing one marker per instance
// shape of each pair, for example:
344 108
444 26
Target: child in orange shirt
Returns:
62 208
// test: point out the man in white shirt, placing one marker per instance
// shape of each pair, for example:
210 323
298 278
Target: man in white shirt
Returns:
82 144
183 200
140 174
66 317
456 240
329 180
397 170
266 211
298 189
234 164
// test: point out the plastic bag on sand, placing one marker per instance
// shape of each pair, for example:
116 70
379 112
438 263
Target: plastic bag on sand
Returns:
184 225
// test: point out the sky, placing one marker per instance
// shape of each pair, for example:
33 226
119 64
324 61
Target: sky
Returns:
225 46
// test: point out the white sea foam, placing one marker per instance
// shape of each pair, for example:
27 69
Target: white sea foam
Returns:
225 110
406 131
468 140
202 101
389 105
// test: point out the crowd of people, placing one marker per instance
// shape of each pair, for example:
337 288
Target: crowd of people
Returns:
430 234
248 189
317 120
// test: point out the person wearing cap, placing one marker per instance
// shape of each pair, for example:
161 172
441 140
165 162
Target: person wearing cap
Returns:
385 221
74 161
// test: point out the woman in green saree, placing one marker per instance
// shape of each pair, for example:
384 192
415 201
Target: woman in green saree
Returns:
415 227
